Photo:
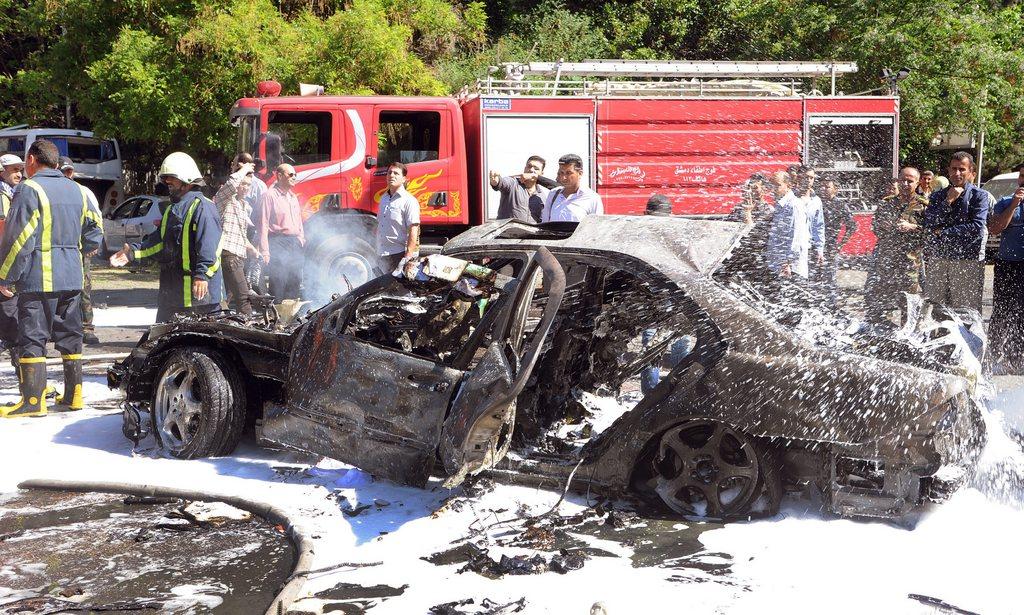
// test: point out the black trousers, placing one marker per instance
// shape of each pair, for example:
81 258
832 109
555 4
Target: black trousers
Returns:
1006 328
235 283
44 317
286 263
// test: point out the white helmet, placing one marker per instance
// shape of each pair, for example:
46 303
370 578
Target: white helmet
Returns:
181 166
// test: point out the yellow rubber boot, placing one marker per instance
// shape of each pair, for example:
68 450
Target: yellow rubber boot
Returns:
32 380
72 397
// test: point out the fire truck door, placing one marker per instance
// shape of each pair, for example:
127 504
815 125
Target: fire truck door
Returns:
419 138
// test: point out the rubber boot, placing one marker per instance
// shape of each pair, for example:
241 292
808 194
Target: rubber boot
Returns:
32 381
72 397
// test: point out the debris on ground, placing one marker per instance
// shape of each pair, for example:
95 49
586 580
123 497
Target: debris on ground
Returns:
487 607
562 562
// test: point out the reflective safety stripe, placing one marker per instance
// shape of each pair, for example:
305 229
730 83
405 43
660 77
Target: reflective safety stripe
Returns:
155 248
71 357
19 243
5 204
46 242
186 238
186 297
32 360
87 212
216 263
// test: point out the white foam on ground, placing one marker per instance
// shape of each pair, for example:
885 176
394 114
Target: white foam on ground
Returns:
965 552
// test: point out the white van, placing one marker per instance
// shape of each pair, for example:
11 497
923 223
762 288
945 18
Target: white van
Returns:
97 161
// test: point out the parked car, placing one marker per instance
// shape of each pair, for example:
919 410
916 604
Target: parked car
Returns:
131 220
406 379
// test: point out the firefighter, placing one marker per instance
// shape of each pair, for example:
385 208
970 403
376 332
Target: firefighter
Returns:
40 251
187 244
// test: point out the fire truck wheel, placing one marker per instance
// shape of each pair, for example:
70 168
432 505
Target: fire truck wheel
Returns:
338 264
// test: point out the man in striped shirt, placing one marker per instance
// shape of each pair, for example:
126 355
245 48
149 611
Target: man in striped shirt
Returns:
234 219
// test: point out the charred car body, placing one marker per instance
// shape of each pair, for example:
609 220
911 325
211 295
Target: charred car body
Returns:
402 377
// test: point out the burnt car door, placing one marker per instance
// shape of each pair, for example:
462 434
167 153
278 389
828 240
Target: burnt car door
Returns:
364 389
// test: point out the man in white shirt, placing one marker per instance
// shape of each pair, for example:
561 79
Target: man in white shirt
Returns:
789 237
398 220
572 202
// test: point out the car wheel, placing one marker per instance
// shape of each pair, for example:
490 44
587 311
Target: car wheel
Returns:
198 404
338 264
705 468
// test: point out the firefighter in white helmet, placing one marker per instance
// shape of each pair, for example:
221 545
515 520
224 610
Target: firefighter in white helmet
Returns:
186 244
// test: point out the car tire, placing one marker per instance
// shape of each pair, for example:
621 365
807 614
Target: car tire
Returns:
198 404
693 464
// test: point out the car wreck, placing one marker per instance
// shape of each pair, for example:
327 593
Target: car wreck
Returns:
487 350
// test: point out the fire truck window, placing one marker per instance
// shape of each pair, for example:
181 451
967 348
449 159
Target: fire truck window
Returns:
298 137
408 136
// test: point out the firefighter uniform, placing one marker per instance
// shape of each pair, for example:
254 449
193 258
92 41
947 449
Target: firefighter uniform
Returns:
8 305
187 246
40 251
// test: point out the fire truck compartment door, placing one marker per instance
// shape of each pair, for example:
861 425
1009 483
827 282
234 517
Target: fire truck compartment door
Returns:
510 139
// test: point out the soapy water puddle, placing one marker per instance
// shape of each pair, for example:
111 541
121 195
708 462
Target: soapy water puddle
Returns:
86 552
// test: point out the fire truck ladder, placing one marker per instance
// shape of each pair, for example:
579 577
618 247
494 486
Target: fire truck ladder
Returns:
665 77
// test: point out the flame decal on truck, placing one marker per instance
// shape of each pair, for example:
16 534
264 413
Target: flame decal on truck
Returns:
355 188
356 158
418 187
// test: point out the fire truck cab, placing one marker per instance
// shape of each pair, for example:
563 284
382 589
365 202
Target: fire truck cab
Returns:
694 131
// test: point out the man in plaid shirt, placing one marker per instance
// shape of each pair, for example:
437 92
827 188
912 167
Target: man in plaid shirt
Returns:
234 218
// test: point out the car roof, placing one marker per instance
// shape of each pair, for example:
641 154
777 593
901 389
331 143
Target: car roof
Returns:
672 244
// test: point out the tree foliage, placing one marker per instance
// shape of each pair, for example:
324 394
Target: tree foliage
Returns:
162 74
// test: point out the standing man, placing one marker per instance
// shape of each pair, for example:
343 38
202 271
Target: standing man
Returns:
1006 328
187 244
11 170
522 197
838 219
898 224
789 237
955 229
660 205
281 236
572 201
398 222
234 213
40 251
67 167
752 206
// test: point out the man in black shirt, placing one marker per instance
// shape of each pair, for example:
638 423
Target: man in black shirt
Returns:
838 220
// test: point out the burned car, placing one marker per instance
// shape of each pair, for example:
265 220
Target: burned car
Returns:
446 373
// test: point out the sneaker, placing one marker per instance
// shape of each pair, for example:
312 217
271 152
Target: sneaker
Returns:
90 338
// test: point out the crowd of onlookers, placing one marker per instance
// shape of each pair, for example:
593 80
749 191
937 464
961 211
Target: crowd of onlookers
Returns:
930 233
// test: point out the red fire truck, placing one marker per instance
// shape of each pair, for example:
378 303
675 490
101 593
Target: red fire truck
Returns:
694 131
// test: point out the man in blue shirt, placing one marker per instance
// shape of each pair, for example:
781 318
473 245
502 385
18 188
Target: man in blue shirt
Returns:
955 231
1006 329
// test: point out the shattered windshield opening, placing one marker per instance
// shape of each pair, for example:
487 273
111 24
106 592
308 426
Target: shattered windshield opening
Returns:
432 318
